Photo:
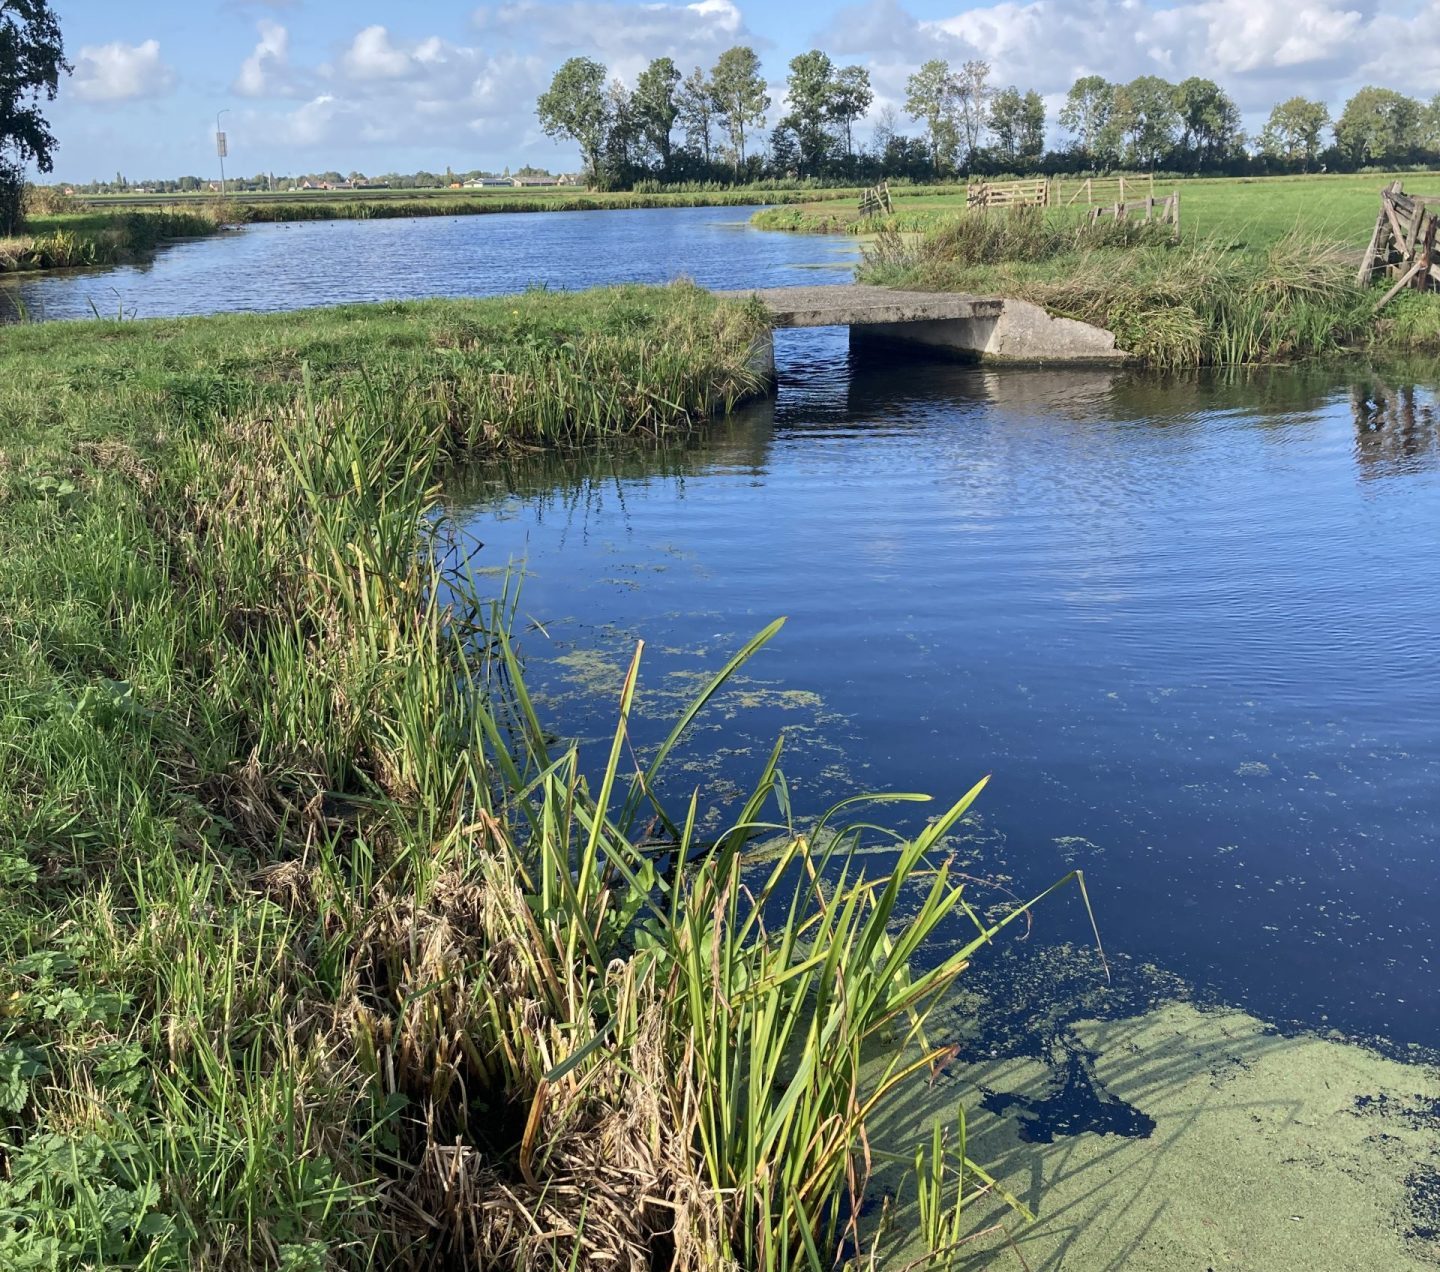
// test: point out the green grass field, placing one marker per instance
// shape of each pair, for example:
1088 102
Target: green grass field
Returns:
1246 211
1258 270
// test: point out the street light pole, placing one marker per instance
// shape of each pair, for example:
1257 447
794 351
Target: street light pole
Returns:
220 148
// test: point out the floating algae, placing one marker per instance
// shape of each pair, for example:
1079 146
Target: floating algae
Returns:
1155 1134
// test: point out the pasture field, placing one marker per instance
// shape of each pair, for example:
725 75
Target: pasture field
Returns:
1242 211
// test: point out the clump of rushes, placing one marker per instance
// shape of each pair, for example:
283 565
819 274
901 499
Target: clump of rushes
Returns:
1173 302
318 952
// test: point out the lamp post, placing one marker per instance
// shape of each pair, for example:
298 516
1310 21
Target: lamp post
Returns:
220 147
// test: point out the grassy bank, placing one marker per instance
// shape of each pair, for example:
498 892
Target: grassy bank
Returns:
1173 300
318 949
314 205
1252 212
73 240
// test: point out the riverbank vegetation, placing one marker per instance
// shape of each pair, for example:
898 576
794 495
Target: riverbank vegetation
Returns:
56 232
320 951
1173 300
479 203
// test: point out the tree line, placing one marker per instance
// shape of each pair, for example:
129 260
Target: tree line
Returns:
711 125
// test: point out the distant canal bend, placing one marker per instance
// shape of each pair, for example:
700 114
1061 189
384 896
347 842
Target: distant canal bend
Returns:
308 264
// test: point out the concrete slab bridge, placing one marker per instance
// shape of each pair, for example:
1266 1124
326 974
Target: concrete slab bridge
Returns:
979 328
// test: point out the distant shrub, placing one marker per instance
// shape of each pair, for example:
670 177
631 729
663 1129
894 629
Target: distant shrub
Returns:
42 200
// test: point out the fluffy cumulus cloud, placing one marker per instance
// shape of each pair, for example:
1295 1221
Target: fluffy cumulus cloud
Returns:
121 72
1260 52
392 85
266 72
623 36
373 55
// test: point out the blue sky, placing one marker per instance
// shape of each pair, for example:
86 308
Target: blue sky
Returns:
315 84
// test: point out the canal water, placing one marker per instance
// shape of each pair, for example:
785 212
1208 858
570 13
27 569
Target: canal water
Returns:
1189 625
308 264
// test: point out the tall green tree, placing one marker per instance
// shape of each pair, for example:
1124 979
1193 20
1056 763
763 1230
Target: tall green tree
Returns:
1209 121
1430 125
850 100
655 107
1086 114
972 104
740 97
624 139
784 149
695 107
32 60
1379 125
577 106
1292 133
1144 118
930 96
810 90
1017 123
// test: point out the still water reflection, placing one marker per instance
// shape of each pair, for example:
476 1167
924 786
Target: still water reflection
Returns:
1190 625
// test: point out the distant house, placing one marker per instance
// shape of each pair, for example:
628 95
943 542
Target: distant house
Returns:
478 183
534 181
307 184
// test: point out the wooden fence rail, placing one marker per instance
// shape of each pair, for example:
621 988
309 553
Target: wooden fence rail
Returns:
877 200
1403 243
1168 209
1109 190
1008 194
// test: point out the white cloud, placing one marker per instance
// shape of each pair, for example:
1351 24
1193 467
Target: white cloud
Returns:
1259 51
266 72
388 87
121 72
624 36
372 55
1244 36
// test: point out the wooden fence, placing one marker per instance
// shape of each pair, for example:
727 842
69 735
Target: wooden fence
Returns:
1008 194
1403 244
876 200
1108 190
1168 209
